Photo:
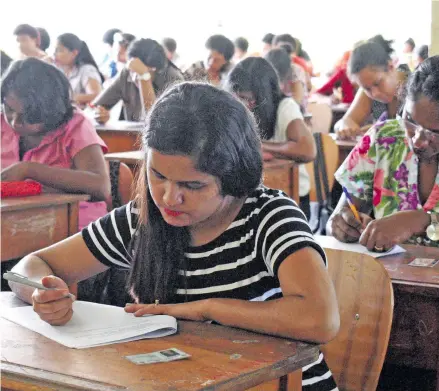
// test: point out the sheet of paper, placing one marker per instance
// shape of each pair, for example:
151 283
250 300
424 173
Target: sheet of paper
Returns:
333 243
94 325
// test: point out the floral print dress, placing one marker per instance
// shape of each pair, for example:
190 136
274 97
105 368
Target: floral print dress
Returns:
382 170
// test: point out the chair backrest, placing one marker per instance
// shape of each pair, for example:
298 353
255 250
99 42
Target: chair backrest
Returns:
321 117
331 154
122 181
365 299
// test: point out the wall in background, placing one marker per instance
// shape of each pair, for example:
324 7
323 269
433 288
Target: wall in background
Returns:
326 28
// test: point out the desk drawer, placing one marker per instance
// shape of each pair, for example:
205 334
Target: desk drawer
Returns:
414 340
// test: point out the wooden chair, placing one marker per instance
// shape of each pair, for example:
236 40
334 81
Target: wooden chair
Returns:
321 117
321 173
365 298
330 152
121 184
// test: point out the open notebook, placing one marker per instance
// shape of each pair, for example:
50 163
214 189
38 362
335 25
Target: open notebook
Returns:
94 325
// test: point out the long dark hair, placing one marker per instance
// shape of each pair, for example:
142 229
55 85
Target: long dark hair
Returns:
42 89
257 75
72 42
220 135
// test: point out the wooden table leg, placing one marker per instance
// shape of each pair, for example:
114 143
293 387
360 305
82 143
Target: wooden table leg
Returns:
73 217
294 183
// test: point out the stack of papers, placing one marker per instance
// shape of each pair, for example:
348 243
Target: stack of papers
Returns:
94 325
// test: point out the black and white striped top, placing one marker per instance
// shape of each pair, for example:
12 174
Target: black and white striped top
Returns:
241 263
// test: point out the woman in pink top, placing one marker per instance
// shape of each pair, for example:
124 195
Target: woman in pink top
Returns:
45 139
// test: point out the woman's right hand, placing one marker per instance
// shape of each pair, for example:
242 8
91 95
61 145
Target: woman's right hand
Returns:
347 129
54 306
346 228
101 115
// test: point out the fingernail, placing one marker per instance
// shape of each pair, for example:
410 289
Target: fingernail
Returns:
128 304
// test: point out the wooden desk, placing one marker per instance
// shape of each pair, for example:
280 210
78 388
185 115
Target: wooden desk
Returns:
120 136
223 358
345 147
278 174
31 223
414 340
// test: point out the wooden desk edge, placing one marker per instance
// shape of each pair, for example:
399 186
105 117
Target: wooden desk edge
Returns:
44 200
14 377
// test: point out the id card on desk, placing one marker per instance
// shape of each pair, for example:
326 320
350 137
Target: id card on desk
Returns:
167 355
424 262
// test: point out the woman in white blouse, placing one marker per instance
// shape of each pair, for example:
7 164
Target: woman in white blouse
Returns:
73 57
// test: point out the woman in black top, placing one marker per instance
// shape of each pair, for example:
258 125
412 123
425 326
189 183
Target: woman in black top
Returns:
202 237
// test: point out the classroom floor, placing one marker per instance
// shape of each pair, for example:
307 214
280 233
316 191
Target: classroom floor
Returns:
395 378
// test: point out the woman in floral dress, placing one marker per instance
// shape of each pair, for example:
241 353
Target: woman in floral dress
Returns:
392 173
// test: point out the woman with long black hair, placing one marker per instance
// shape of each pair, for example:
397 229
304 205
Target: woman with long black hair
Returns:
283 130
73 57
203 239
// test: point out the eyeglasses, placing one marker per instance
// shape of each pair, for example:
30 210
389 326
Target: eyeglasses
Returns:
424 135
413 127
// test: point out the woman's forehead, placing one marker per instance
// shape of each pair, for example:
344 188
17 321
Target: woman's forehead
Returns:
176 167
424 111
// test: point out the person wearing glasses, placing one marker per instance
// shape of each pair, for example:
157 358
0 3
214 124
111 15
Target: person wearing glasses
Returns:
392 173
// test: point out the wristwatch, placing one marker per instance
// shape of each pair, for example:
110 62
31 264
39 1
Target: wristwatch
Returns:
146 76
433 229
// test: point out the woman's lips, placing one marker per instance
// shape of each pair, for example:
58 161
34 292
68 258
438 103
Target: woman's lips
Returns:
172 213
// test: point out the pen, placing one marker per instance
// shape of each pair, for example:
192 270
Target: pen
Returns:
351 204
19 279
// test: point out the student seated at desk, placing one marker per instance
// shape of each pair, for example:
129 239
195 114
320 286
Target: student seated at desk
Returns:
107 65
280 121
267 41
393 173
120 48
286 40
73 57
28 40
203 240
421 55
371 68
147 74
290 84
44 39
241 49
45 139
220 51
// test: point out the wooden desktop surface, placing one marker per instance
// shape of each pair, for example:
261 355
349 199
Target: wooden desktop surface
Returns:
223 358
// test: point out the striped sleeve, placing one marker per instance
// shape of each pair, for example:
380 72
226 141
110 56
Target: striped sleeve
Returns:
109 237
282 231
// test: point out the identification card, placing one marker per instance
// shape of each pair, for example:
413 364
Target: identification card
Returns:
423 262
167 355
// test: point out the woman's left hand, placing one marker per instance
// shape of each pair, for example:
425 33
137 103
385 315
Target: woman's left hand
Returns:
16 172
196 310
382 234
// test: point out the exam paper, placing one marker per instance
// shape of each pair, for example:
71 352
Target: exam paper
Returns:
333 243
94 324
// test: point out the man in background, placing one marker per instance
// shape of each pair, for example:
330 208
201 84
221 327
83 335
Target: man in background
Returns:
170 46
241 48
28 40
108 66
